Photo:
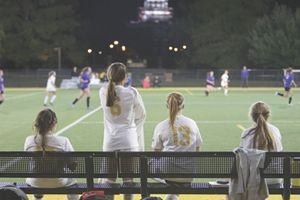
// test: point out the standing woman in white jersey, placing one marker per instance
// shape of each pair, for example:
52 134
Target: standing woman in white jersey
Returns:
176 134
2 88
51 87
224 82
124 116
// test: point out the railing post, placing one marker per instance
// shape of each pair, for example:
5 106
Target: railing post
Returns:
287 178
144 175
89 167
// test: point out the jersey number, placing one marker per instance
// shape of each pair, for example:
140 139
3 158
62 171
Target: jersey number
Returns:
115 110
186 135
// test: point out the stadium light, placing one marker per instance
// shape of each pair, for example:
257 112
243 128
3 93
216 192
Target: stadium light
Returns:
116 42
170 48
100 52
89 50
111 46
175 49
184 46
123 48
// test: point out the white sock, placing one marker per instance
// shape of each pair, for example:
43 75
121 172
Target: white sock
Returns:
34 198
109 196
72 196
46 99
171 197
225 91
53 98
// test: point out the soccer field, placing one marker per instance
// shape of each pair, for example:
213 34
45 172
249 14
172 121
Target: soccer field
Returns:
220 119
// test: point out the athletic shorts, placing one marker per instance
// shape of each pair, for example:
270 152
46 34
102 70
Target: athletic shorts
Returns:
50 89
207 83
83 88
287 89
223 83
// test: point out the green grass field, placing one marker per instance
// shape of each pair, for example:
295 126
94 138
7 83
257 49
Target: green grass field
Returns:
220 119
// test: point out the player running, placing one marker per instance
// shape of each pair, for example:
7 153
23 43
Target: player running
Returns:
210 82
85 81
288 79
176 134
224 82
51 87
2 88
124 116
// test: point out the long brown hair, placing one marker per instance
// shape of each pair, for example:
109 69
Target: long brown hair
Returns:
116 73
174 102
289 70
260 113
43 124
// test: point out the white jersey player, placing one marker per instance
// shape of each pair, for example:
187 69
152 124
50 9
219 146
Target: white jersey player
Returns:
224 82
176 134
50 88
124 116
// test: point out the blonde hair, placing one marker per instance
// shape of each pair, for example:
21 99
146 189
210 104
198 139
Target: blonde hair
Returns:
116 73
175 102
84 70
43 124
50 74
259 112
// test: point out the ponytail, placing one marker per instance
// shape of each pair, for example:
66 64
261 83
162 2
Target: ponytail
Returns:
84 70
175 103
262 138
116 73
50 74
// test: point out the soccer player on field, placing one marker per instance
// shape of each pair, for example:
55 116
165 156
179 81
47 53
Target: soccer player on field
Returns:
288 79
176 134
224 82
51 87
85 81
210 82
124 116
2 88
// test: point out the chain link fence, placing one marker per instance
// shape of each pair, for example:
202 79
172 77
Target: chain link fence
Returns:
168 77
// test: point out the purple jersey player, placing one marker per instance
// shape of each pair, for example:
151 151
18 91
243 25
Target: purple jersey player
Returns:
85 81
2 88
288 79
210 82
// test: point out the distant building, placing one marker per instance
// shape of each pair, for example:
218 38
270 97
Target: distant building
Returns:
156 11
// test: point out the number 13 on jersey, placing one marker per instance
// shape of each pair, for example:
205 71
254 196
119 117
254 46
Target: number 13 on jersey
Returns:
115 110
181 130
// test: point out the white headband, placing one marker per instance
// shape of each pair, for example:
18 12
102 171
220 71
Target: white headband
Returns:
180 106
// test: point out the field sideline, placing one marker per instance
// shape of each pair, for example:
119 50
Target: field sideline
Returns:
220 119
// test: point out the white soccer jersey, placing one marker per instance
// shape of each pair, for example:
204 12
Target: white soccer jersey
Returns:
123 122
50 87
248 143
224 78
54 143
186 137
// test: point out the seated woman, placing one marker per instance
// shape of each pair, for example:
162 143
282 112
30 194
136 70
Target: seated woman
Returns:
176 134
45 140
262 135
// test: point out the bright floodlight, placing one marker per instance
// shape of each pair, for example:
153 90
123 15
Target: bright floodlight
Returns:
100 52
111 46
175 49
170 48
89 50
123 48
116 42
184 46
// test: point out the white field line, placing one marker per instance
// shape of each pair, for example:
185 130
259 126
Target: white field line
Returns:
25 95
202 122
212 103
9 164
77 121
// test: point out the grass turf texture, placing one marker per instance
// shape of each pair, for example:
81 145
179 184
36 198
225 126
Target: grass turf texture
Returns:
219 118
